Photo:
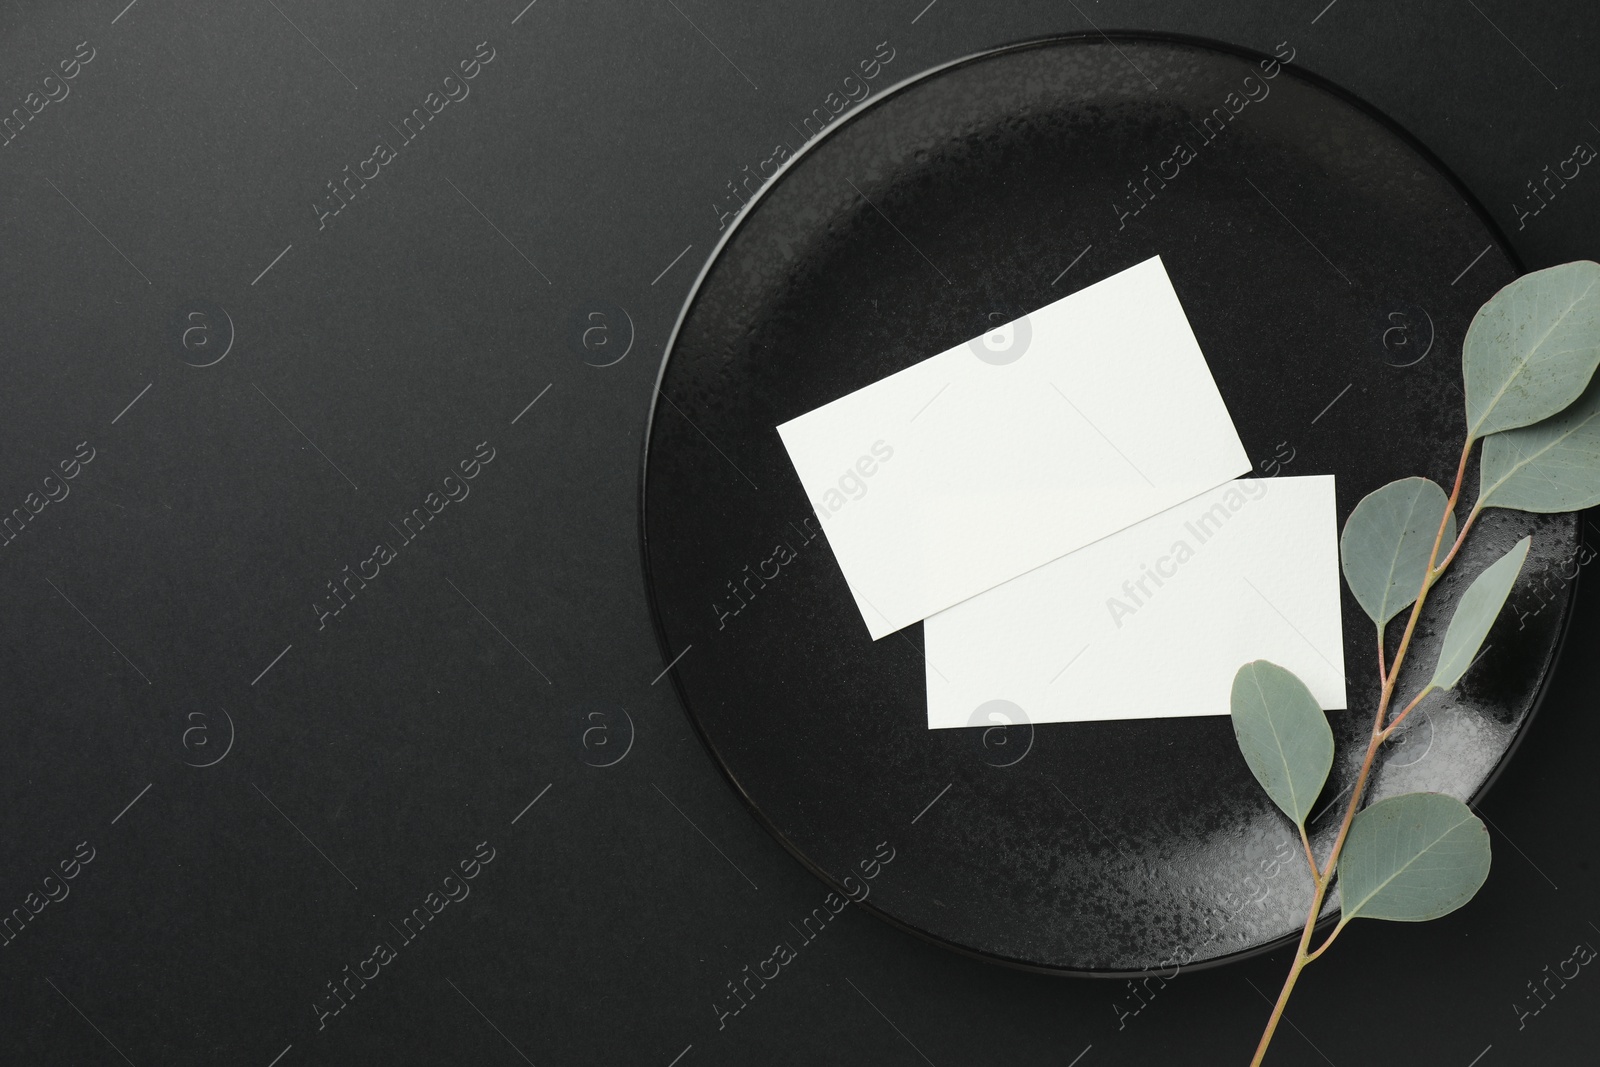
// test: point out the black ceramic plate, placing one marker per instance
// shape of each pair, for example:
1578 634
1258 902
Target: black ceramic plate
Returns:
1329 267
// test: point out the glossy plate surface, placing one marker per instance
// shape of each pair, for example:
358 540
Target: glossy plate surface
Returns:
1323 260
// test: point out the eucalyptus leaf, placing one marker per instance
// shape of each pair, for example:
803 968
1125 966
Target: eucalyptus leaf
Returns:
1475 613
1550 466
1412 858
1283 734
1387 544
1532 349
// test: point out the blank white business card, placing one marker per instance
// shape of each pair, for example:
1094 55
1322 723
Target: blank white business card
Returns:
1155 620
990 459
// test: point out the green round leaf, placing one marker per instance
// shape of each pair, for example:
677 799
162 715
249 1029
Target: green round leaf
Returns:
1412 858
1475 613
1387 541
1550 466
1532 349
1283 734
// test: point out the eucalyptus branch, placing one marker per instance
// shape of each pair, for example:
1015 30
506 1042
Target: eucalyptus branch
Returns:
1527 362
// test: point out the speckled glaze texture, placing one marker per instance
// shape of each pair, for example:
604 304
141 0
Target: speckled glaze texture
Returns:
1313 247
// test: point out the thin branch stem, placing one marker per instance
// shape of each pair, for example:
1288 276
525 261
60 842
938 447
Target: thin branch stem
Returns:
1294 974
1472 517
1316 875
1400 718
1355 797
1333 934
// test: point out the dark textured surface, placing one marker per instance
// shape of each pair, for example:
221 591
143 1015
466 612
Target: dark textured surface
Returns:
596 148
1111 846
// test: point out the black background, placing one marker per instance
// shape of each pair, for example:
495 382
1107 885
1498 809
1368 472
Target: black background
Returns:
379 750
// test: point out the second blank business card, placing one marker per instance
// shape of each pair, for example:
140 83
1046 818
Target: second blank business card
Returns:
999 455
1154 621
